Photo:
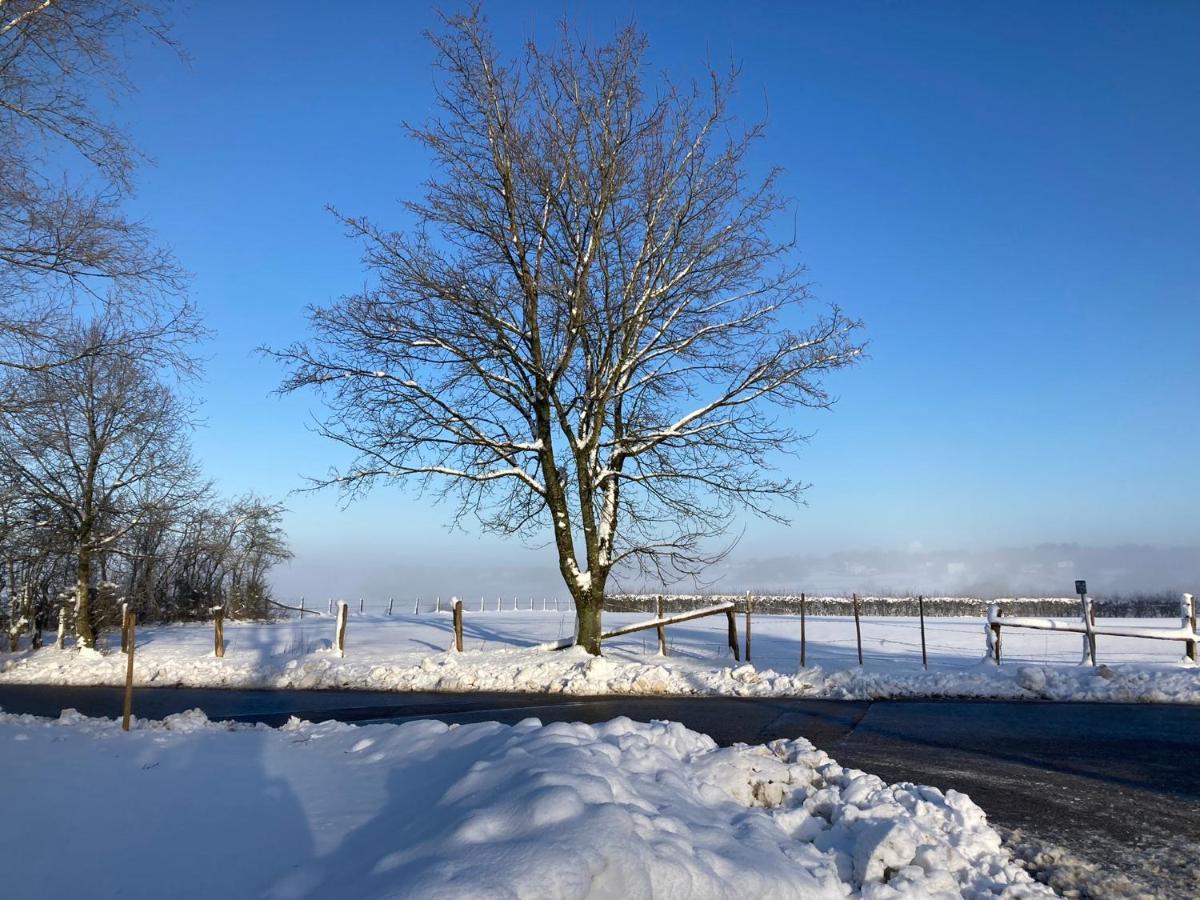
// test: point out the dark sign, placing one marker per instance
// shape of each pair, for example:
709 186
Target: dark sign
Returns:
1081 587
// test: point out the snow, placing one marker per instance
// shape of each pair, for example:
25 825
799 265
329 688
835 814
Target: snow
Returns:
410 653
618 810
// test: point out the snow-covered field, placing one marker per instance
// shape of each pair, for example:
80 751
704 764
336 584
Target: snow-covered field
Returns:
189 808
407 652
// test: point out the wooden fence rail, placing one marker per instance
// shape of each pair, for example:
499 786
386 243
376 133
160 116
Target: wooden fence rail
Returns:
1086 625
659 623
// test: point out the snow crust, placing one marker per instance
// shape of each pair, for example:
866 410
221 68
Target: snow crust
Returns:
405 653
618 810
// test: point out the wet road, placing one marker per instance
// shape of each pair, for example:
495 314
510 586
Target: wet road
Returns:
1116 786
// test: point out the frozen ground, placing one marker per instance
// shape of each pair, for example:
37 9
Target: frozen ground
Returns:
189 808
407 652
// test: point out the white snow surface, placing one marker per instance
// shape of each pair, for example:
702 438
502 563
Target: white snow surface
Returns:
190 808
409 653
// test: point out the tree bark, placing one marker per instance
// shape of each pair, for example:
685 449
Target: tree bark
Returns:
84 634
587 634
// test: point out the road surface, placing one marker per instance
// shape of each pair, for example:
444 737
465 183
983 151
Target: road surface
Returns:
1115 786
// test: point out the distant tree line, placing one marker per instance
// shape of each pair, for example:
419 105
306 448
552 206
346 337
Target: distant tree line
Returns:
1161 604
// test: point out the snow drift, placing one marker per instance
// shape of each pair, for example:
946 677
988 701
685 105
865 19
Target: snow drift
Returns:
194 808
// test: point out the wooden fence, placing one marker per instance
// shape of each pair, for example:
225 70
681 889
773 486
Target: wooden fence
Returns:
1087 626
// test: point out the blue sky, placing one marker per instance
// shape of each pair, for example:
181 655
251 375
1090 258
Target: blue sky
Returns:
1007 194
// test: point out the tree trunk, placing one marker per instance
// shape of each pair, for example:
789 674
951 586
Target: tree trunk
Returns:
588 609
84 634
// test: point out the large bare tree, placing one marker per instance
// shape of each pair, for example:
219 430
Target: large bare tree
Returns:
597 324
65 171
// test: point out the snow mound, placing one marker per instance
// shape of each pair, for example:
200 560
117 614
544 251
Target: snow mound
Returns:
423 809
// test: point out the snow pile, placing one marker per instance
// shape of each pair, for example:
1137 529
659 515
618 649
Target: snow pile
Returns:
427 810
574 672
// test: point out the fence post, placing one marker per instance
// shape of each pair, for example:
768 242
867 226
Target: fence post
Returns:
330 610
1188 609
301 609
124 627
218 631
416 606
61 640
499 602
749 606
733 638
1089 638
458 625
481 602
662 630
360 605
391 600
857 630
921 611
339 637
993 631
438 606
803 634
128 628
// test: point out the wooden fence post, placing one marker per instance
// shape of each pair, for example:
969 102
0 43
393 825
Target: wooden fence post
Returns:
733 638
662 629
1188 609
416 606
994 614
330 610
124 627
130 625
301 609
391 600
857 630
61 640
360 605
218 631
438 605
803 634
339 642
921 611
458 625
749 609
1089 638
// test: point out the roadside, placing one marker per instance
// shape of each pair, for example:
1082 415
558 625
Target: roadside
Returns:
1101 795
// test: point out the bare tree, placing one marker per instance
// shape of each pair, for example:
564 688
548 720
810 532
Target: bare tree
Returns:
101 440
594 326
65 171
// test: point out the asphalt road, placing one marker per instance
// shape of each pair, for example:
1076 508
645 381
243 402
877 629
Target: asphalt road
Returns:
1106 793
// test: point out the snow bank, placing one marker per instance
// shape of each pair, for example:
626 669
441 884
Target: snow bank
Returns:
408 654
574 672
194 808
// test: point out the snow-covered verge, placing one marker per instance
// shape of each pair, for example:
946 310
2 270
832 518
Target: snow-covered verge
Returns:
407 654
187 807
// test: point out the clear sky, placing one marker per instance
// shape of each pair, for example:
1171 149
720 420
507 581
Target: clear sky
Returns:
1008 195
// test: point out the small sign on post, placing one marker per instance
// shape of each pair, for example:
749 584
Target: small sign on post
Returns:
1089 619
